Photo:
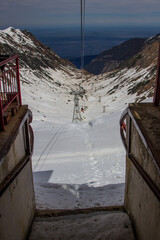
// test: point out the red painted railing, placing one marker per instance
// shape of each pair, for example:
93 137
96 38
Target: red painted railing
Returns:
156 98
9 85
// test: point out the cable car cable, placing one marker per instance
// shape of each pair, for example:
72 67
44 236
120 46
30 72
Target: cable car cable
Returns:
82 32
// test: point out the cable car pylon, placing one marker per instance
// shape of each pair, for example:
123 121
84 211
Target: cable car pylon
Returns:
76 112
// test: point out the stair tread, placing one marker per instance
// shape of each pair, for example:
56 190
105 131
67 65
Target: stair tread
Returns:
97 225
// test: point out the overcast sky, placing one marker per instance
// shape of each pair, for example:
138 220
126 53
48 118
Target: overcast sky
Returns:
43 13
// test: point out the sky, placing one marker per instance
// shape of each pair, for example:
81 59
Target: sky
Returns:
63 13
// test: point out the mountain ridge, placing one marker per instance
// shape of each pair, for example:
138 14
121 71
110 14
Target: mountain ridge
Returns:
110 59
132 81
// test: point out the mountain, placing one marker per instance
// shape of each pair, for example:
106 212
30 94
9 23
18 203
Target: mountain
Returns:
32 53
110 59
48 82
41 71
72 158
132 81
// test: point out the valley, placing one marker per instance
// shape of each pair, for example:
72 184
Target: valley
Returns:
89 155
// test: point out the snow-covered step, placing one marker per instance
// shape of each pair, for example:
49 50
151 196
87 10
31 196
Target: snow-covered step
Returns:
51 196
97 225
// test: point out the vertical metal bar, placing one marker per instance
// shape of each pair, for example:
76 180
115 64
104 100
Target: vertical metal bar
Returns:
7 87
129 135
10 85
4 87
18 81
81 34
1 117
27 138
156 97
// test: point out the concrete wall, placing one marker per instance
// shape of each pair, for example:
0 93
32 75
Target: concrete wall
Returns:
17 207
140 202
17 200
13 156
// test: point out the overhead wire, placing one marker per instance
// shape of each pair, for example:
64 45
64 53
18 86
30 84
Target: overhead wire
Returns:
83 6
76 111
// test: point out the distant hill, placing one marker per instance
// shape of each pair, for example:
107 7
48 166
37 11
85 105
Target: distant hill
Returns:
77 61
110 59
44 75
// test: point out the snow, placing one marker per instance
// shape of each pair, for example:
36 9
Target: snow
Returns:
75 196
76 165
87 156
17 37
79 165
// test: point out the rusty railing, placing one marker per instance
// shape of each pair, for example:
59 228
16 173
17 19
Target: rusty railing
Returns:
9 85
126 120
156 98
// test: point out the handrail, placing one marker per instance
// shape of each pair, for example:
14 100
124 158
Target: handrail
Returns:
9 85
27 119
130 156
8 60
123 127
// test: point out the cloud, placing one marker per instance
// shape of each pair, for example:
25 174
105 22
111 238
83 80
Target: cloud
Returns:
116 6
61 12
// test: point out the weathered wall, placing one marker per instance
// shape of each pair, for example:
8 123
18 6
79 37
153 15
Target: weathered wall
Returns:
140 202
14 155
17 206
17 200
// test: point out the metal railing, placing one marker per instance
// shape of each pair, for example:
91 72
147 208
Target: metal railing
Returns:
9 85
125 131
156 98
29 144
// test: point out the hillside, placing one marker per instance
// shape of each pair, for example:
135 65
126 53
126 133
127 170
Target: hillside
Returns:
82 160
134 80
42 72
110 59
40 66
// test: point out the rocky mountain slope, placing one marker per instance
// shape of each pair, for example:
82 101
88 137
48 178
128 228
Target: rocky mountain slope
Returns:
41 70
134 80
34 55
23 43
110 59
47 80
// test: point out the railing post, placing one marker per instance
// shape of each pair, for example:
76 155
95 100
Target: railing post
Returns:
128 135
18 81
156 97
1 117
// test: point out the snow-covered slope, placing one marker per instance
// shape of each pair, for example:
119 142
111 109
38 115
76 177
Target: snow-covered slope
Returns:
49 80
46 80
133 81
86 159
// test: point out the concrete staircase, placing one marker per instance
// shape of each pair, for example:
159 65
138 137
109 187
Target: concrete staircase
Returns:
109 225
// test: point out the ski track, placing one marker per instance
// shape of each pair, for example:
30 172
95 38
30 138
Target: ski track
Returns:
93 161
48 148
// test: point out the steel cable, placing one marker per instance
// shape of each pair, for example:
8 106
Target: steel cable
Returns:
82 31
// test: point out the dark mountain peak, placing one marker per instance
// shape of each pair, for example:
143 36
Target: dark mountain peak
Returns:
31 51
110 59
125 50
